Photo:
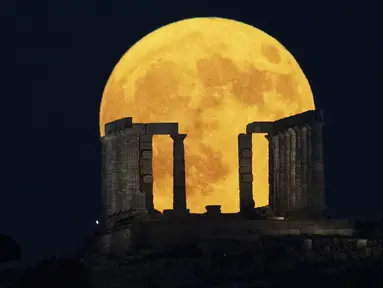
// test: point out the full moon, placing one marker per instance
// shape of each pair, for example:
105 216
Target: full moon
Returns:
213 76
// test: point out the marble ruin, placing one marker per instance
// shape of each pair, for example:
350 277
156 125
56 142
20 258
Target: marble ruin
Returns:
131 224
127 171
296 176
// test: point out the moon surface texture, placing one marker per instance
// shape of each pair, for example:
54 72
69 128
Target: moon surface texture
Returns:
213 76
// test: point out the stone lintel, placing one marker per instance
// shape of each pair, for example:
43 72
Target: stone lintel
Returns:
259 127
305 118
118 125
161 128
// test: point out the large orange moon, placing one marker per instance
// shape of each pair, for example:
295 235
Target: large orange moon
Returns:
213 76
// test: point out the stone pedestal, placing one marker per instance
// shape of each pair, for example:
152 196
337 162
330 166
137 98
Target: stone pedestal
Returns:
246 200
179 181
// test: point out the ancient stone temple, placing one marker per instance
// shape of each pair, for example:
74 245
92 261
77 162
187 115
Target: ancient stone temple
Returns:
296 175
127 173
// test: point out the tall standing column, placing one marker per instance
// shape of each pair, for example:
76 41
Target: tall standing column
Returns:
112 174
246 201
277 205
271 172
282 169
104 178
317 169
293 158
309 194
146 172
298 164
304 169
287 171
179 182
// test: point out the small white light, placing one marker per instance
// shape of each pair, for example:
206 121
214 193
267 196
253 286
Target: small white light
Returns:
97 222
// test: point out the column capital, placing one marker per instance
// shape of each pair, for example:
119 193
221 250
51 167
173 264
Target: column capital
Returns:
178 137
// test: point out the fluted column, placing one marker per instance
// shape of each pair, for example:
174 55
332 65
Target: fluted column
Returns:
271 172
104 180
146 172
305 167
276 157
282 169
112 175
309 194
317 167
179 181
293 157
287 170
298 167
246 200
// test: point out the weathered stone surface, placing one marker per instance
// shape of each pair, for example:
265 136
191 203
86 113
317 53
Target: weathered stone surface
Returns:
245 186
179 182
259 127
317 169
247 178
245 169
287 168
147 179
245 141
246 153
275 203
146 166
245 162
282 170
118 125
298 169
147 154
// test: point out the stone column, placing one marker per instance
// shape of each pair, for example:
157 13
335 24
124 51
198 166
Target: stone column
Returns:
287 171
179 182
146 172
293 156
282 169
246 201
271 172
276 184
317 169
309 194
124 166
298 167
305 153
112 174
104 180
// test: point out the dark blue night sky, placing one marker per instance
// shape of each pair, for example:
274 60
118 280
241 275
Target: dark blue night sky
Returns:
55 60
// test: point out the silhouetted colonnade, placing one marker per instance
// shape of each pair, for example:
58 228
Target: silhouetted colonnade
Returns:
127 171
296 174
296 179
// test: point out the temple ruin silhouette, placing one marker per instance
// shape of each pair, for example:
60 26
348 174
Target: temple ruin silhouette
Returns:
296 175
131 227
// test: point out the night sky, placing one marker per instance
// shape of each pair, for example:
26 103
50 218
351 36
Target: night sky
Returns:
55 60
